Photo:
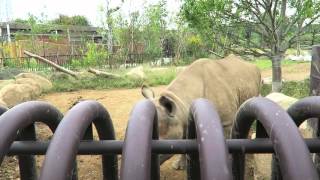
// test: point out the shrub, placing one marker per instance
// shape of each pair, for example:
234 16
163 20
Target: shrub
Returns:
296 89
95 55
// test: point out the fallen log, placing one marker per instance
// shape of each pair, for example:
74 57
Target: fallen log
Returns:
103 74
52 64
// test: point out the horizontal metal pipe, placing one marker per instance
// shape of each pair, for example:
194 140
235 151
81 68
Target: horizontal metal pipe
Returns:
158 146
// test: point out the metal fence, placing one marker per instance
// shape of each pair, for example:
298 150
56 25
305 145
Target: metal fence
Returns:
75 61
207 149
141 148
32 64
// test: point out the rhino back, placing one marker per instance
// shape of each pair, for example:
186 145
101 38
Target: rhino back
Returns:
227 83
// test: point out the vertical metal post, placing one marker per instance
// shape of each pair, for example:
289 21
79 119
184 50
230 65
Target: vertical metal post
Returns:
211 161
138 163
315 91
8 32
27 163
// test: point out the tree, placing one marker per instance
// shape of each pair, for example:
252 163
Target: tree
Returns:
37 26
154 28
259 28
108 23
73 20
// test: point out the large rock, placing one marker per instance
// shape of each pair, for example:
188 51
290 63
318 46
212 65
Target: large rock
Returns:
3 104
136 73
35 85
283 100
13 94
44 83
6 82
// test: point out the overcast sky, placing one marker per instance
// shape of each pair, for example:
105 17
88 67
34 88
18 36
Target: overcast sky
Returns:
90 9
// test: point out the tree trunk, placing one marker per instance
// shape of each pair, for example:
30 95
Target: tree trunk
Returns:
276 73
103 74
313 37
299 38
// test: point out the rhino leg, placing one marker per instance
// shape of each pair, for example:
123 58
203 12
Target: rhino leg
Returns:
180 163
164 157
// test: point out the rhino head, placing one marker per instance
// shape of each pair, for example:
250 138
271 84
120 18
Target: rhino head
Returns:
171 117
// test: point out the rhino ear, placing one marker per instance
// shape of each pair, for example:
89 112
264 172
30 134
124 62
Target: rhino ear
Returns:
147 92
168 104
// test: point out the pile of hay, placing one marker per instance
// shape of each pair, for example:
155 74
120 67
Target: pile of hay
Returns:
24 87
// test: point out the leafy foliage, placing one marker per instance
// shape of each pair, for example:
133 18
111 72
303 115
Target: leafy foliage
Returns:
73 20
296 89
259 28
95 55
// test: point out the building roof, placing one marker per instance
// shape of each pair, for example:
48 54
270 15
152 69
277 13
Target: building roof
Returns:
21 27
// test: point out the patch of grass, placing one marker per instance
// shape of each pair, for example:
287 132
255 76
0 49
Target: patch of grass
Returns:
296 89
265 89
72 84
161 76
64 82
9 73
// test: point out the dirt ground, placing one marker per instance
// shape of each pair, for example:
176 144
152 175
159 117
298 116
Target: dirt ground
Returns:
119 104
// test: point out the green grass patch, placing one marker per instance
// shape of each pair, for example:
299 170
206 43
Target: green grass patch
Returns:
71 84
9 73
296 89
160 77
62 82
164 76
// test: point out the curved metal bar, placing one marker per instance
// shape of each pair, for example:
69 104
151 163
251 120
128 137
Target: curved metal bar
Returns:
300 111
21 118
304 109
285 137
63 148
136 153
3 110
213 152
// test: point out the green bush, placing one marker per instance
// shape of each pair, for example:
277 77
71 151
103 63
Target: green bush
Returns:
95 55
296 89
9 63
76 63
32 64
